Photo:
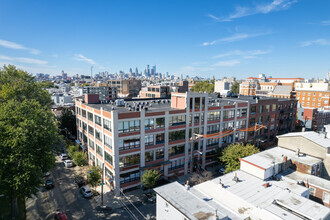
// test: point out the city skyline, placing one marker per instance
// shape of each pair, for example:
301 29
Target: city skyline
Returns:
280 38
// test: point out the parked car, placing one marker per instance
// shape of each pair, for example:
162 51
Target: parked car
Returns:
79 181
222 170
86 191
61 216
68 163
64 156
47 174
49 184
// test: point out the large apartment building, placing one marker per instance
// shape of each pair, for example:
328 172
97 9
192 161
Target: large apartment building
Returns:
126 87
313 95
158 134
155 92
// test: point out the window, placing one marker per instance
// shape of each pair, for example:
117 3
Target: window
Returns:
149 156
212 142
252 121
83 113
197 103
84 126
129 177
253 110
325 197
213 116
97 120
149 124
267 107
312 191
260 109
128 126
172 151
107 124
244 112
129 160
160 122
108 158
176 164
107 141
196 118
160 138
99 150
178 120
98 135
149 140
176 135
91 143
273 107
90 130
160 153
213 129
90 116
127 144
266 118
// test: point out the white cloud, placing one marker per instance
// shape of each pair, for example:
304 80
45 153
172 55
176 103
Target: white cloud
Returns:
315 42
23 60
233 38
80 57
244 54
194 69
228 63
15 46
325 23
275 5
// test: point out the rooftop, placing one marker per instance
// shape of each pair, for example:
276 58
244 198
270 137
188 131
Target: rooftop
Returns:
282 90
266 158
315 137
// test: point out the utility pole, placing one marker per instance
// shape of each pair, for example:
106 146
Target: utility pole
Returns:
102 183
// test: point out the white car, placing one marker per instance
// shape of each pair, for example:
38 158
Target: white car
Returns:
64 156
68 163
86 191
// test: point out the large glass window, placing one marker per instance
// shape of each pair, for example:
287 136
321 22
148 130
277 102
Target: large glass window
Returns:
253 110
128 126
98 135
149 140
129 177
107 141
273 107
196 118
107 124
149 124
99 150
129 160
178 120
90 130
213 129
160 153
127 144
213 116
231 114
212 142
172 151
176 164
244 112
91 143
149 156
197 103
160 138
90 116
84 126
83 113
160 122
176 135
108 158
97 120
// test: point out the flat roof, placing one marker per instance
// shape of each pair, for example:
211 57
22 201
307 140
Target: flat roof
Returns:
313 136
266 158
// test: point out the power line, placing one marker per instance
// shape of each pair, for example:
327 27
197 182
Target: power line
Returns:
133 204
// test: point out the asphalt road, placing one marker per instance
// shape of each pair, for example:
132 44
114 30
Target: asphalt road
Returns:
65 196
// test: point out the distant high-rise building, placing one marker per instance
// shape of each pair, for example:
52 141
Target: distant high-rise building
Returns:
136 71
130 70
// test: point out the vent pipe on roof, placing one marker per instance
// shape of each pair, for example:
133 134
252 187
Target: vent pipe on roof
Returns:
187 186
298 152
303 129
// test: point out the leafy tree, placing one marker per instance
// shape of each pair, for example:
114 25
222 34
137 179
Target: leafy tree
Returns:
47 84
235 88
27 134
203 86
72 149
67 120
79 158
149 178
94 176
230 155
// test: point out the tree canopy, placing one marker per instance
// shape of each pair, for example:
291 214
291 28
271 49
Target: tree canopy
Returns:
94 176
203 86
231 154
235 88
27 134
150 178
67 120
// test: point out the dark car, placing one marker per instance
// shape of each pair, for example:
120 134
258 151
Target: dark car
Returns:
79 181
49 184
61 216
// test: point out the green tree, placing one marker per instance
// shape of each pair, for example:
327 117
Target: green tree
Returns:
72 149
235 88
67 120
204 86
80 158
149 178
94 176
231 154
27 134
47 84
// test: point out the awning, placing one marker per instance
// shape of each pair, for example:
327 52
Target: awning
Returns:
83 147
78 142
156 165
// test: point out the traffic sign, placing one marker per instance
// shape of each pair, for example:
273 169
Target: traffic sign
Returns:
101 184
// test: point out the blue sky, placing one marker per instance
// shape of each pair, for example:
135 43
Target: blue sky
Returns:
281 38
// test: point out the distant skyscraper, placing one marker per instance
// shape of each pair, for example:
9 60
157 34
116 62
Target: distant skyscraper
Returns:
136 71
130 70
153 70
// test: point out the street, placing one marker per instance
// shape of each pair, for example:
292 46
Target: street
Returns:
65 196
